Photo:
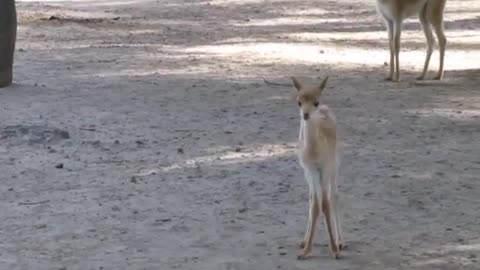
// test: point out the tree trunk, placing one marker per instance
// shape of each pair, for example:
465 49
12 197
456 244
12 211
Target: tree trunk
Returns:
8 35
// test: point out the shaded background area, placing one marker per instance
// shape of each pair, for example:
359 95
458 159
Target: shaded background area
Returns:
179 156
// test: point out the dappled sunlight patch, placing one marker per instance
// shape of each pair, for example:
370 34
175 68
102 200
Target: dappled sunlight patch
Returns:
290 21
310 11
285 52
466 14
466 247
230 2
462 6
248 154
451 254
290 97
453 114
88 2
381 36
325 53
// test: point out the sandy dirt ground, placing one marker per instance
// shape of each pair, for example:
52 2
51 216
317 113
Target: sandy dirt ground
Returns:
140 135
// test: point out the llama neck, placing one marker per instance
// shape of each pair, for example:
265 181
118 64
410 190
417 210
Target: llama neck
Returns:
308 133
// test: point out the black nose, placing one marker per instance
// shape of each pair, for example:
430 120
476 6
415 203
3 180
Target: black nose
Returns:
306 116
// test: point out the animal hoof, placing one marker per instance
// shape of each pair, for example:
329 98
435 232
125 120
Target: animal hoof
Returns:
438 78
335 252
420 78
342 246
302 244
388 79
302 257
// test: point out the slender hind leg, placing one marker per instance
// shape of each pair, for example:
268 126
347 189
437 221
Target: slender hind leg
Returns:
339 236
389 25
430 41
335 210
397 33
435 17
442 42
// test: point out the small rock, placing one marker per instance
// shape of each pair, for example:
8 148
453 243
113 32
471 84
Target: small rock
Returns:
133 179
180 150
243 210
164 220
41 226
59 166
116 142
238 149
282 253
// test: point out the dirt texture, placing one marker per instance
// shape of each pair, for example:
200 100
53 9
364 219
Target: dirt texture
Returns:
140 134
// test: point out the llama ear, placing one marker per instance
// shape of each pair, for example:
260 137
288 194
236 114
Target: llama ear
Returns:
296 83
323 84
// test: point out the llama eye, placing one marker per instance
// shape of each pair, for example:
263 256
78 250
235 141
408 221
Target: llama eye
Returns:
315 104
299 104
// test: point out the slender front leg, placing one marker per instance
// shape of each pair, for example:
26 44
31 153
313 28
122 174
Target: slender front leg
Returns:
311 176
313 216
310 216
311 194
326 182
397 32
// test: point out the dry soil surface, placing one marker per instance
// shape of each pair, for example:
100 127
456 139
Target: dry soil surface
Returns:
140 134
